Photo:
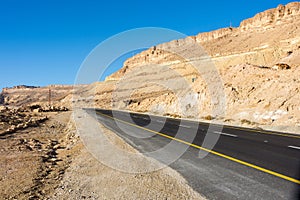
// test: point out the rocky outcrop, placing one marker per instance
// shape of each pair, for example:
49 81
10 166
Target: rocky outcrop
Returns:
204 37
263 40
281 66
275 16
22 87
260 22
38 108
258 62
12 120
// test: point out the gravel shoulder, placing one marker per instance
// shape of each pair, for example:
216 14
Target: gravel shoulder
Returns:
87 178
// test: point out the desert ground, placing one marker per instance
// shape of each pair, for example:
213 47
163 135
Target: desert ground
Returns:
48 160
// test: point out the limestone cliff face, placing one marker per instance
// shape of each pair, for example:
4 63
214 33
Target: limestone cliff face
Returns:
257 90
262 40
204 37
269 18
260 22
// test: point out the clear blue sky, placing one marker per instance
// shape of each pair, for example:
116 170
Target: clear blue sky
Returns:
45 41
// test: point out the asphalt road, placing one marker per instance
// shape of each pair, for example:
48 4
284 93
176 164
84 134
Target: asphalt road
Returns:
244 163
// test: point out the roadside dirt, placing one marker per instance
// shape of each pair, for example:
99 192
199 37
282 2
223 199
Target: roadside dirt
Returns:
88 178
49 161
33 160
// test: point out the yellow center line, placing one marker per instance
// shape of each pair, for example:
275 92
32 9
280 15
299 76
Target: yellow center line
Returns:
211 151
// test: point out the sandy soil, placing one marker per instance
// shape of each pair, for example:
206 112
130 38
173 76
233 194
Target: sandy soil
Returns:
51 162
33 160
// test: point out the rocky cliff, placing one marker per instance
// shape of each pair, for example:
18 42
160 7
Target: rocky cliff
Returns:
267 19
258 63
262 40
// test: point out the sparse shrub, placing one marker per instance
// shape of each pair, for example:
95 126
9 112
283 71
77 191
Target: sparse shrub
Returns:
245 121
208 117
